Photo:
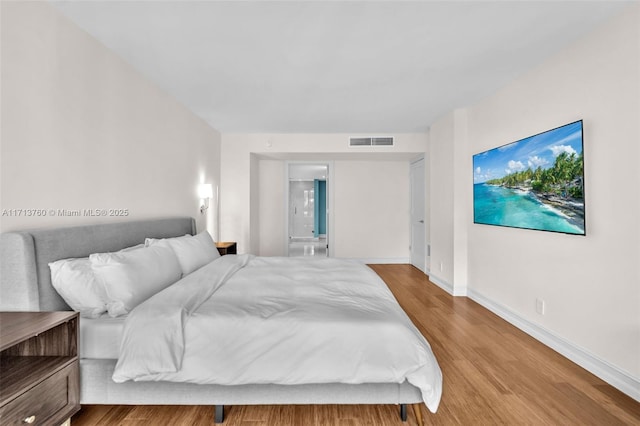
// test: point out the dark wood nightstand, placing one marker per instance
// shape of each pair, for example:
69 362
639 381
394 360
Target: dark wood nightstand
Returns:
39 367
229 247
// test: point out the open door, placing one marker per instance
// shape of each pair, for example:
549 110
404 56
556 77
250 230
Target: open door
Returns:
307 210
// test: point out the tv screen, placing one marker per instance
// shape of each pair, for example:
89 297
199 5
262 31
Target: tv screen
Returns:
534 183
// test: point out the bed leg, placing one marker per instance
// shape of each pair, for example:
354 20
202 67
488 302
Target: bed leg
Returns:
403 412
418 412
219 417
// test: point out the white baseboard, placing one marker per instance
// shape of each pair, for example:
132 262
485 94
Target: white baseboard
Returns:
441 283
383 260
458 291
611 374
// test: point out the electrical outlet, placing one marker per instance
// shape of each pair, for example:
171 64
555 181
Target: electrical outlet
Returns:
441 265
540 306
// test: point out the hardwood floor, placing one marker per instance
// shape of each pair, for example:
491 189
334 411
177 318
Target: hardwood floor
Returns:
493 374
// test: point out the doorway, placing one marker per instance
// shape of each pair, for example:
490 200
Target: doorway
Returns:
307 209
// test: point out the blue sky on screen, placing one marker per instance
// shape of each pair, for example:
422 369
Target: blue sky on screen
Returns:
539 150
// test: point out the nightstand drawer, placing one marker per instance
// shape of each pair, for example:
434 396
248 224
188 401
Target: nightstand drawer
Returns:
45 403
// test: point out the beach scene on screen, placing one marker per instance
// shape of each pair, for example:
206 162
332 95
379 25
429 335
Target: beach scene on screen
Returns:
534 183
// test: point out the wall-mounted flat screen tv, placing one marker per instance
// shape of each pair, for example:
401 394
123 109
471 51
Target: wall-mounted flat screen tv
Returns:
534 183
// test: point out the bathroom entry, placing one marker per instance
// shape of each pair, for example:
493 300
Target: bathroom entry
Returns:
307 209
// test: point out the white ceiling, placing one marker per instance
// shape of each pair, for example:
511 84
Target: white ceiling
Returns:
328 67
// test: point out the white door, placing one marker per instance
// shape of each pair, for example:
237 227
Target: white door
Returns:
418 226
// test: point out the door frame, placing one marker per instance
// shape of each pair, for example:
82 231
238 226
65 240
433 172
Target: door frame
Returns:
330 198
426 222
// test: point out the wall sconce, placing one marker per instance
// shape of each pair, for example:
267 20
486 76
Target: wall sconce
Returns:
205 192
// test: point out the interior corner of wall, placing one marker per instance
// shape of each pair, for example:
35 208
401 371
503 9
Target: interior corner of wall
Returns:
459 291
443 284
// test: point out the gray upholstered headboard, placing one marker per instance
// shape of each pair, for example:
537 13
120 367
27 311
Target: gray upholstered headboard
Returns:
25 279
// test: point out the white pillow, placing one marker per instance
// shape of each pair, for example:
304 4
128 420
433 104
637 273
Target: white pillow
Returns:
75 281
129 278
136 247
192 252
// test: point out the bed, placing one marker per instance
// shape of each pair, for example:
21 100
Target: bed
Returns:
25 285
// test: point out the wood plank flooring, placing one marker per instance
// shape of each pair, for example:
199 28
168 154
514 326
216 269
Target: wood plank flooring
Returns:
493 374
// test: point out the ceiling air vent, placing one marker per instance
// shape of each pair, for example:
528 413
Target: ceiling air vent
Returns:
380 141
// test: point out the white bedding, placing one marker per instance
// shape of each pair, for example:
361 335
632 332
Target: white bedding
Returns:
244 319
100 337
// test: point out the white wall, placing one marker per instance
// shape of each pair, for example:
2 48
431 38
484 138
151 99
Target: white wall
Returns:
372 210
441 180
81 129
254 200
272 208
238 209
449 176
235 193
591 284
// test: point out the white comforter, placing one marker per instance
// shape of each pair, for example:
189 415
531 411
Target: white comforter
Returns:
244 319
